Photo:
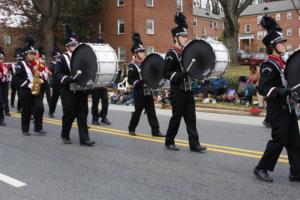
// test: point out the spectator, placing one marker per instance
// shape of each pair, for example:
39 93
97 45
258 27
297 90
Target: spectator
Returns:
253 80
216 87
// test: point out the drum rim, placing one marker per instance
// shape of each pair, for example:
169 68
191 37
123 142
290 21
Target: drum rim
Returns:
296 52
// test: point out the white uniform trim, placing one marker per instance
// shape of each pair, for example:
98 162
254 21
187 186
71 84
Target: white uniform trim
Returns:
67 59
62 80
270 91
135 82
28 72
172 76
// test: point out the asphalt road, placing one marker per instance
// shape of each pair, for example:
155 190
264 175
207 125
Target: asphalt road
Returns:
123 167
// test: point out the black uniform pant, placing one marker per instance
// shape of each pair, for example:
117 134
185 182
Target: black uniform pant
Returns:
97 94
285 133
53 100
47 92
4 88
32 104
1 105
75 105
183 105
143 102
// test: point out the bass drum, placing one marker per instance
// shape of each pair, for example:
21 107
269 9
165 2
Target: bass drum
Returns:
211 58
292 72
152 70
98 64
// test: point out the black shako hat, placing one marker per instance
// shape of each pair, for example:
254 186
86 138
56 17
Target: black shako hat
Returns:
18 54
137 43
29 44
70 36
274 32
181 28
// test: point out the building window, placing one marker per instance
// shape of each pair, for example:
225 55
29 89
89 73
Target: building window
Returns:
213 24
203 31
289 47
150 49
277 18
179 5
121 54
150 26
195 21
258 19
289 16
121 26
289 32
120 3
248 28
150 3
260 35
7 39
101 30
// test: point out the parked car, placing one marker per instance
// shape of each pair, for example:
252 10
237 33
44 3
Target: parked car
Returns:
244 58
258 58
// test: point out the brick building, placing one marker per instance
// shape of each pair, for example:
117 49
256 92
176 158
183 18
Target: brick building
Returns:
153 19
207 24
251 33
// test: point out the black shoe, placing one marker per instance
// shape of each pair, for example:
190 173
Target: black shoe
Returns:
87 143
262 175
106 121
26 133
41 132
2 123
132 133
171 147
158 134
198 149
51 115
266 124
293 178
66 141
7 114
95 123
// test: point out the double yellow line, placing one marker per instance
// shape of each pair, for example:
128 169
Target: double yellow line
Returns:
179 142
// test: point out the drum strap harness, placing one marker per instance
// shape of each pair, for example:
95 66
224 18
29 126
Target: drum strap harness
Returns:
146 89
187 83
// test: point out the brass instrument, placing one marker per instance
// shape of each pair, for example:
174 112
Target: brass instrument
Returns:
37 81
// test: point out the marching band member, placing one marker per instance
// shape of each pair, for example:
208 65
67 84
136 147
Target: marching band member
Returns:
14 88
2 74
182 98
28 78
74 103
283 121
54 83
5 82
143 98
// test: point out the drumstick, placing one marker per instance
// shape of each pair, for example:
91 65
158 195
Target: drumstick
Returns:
77 74
191 64
295 87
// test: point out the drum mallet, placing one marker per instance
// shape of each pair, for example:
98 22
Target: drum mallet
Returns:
191 64
77 74
295 87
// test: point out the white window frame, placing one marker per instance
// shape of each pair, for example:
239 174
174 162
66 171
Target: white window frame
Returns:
289 47
148 22
277 17
213 24
179 5
203 32
120 5
150 5
258 19
260 35
289 15
121 21
289 32
120 49
195 21
101 28
7 39
246 26
150 49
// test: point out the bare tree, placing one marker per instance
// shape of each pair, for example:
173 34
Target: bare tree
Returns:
232 11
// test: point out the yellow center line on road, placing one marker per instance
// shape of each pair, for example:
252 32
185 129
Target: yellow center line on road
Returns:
179 142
